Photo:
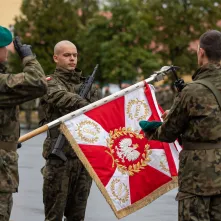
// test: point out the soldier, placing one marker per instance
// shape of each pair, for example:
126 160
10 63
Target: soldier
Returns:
159 95
196 117
168 97
14 90
66 184
125 84
98 86
106 90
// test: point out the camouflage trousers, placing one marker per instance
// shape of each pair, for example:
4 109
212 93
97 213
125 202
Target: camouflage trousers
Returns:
65 190
200 208
5 206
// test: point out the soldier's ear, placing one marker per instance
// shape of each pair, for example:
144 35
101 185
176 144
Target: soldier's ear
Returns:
202 52
55 57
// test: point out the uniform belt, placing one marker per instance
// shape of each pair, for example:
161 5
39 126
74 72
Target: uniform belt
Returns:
7 146
200 145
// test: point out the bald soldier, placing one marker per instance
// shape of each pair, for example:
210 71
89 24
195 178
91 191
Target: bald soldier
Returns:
66 183
14 89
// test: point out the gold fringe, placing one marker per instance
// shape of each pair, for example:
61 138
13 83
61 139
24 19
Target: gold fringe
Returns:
130 209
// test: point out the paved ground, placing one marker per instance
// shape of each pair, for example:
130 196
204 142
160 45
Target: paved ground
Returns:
28 201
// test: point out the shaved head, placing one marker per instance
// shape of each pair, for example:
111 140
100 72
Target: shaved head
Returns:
65 55
60 45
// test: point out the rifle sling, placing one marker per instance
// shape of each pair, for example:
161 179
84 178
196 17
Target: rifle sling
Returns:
212 88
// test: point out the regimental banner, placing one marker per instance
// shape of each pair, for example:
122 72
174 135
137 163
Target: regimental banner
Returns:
129 170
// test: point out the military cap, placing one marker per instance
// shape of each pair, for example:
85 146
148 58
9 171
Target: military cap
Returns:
149 125
5 37
126 82
97 82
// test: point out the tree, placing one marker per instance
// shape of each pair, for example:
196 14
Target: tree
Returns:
178 23
43 23
86 8
118 38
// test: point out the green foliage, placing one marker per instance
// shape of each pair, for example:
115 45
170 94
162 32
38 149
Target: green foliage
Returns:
178 23
119 41
43 24
128 38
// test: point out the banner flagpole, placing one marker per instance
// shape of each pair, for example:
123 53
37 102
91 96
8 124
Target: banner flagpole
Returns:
157 76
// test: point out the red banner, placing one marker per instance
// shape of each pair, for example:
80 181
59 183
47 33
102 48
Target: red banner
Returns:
129 170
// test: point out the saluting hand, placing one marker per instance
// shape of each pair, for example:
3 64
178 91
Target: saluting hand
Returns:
23 50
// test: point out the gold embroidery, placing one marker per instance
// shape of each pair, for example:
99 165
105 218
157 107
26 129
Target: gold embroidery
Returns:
133 168
140 106
119 190
88 131
163 163
135 206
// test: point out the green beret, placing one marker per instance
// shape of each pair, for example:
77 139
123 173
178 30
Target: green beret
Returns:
126 82
5 37
149 125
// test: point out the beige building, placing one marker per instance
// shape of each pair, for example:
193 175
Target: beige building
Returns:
8 10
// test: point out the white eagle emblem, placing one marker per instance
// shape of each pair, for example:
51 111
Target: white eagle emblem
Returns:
126 150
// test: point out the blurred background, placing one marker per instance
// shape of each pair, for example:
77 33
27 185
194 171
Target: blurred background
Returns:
129 39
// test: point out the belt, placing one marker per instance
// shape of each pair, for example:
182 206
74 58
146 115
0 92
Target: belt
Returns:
200 145
7 146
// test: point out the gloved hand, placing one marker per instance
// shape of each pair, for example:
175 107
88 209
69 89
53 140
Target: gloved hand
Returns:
149 127
19 145
23 50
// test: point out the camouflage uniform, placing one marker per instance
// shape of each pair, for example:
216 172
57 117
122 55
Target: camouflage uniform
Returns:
28 107
66 184
14 90
196 116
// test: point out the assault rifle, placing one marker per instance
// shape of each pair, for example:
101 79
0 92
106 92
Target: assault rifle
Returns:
179 83
84 90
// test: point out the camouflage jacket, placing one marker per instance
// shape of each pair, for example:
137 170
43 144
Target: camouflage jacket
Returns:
196 117
62 98
15 89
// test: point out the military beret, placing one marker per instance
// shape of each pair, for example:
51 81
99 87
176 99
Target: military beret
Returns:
5 37
126 82
149 125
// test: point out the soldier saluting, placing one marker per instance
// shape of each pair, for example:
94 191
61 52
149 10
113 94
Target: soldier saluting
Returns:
14 90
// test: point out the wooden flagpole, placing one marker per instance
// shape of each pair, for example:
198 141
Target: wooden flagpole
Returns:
157 76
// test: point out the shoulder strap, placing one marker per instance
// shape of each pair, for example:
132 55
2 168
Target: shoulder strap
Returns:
212 88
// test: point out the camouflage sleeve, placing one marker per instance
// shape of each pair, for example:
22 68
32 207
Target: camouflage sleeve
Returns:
175 121
60 98
94 95
18 88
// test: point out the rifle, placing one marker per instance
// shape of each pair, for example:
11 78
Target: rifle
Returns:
179 83
84 90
